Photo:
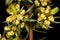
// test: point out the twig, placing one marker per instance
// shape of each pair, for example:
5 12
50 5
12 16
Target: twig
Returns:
31 34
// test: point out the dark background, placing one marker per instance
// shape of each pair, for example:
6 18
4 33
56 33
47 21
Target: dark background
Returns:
53 34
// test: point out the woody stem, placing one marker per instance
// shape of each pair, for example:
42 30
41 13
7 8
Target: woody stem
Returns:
31 28
31 34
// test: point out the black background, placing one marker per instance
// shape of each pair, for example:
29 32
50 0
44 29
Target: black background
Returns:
53 34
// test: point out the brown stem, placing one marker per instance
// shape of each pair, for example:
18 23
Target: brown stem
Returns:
31 28
31 34
30 25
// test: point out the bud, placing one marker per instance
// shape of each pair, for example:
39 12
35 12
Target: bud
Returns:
43 3
43 16
47 11
19 17
17 22
44 27
46 22
22 12
0 36
17 7
42 9
39 19
26 16
48 7
51 18
22 25
7 36
6 28
3 38
14 28
37 3
8 19
10 33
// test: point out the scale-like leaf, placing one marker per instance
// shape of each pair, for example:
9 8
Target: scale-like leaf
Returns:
54 11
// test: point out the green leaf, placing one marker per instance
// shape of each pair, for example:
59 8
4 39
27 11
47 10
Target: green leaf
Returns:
21 8
40 31
30 20
36 26
30 1
3 33
13 9
26 37
50 27
54 11
42 38
19 30
9 2
57 17
56 22
33 20
29 8
51 4
27 29
10 25
31 15
4 22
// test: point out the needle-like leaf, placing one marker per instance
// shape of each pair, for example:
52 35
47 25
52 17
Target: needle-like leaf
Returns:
30 1
40 31
31 15
56 22
8 2
27 29
57 17
29 9
30 20
42 38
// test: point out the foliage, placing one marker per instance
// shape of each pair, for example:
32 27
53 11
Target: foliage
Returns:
19 20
